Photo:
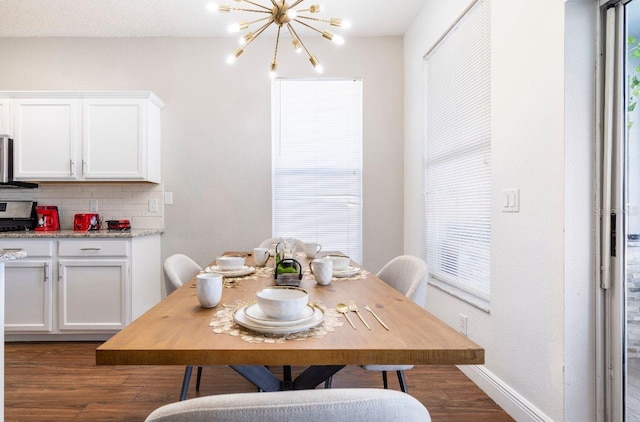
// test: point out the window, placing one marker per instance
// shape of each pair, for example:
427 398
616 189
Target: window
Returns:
457 158
317 162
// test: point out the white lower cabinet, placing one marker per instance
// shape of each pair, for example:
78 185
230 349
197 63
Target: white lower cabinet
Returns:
93 294
79 288
28 296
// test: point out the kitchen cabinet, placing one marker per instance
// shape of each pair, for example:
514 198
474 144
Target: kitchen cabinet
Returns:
85 136
29 289
93 287
5 118
86 289
46 137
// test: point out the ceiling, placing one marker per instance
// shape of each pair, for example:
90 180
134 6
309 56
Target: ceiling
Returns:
183 18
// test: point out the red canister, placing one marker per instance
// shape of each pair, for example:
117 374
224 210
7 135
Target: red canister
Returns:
48 219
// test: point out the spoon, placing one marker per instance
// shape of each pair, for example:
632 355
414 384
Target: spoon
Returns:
343 309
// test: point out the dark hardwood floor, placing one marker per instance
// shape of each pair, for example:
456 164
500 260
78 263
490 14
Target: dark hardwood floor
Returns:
61 382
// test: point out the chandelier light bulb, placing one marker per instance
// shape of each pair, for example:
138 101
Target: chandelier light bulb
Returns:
297 46
316 64
215 7
340 23
238 26
292 14
246 38
337 39
273 70
233 57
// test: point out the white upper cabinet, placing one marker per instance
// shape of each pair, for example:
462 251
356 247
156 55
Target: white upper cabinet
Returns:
46 137
86 136
5 118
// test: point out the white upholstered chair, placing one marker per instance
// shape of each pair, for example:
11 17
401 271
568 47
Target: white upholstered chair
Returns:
406 274
337 405
179 269
274 240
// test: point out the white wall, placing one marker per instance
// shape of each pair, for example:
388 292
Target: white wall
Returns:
541 268
216 125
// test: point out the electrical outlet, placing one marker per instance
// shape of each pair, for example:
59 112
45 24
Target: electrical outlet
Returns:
93 205
462 328
168 198
153 205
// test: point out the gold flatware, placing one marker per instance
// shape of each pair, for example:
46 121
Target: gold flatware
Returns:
343 309
354 308
376 317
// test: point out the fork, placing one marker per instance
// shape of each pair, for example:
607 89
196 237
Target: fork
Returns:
354 308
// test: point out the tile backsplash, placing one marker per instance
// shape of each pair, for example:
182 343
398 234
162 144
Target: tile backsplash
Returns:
115 201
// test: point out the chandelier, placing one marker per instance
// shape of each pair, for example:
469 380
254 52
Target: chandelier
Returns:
283 15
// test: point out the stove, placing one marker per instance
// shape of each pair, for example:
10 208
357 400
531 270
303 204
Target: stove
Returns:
17 216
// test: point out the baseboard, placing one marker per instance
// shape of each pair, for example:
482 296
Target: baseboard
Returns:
506 397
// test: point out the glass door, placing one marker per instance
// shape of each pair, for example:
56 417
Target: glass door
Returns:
619 193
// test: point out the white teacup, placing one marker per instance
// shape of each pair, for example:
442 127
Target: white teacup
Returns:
311 249
260 256
322 270
209 289
340 262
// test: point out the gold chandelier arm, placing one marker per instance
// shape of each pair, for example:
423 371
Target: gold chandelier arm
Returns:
249 10
257 4
275 52
298 37
309 26
332 21
295 3
258 32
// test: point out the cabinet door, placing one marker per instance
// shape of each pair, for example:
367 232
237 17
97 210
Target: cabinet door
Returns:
114 139
28 296
93 295
5 121
46 135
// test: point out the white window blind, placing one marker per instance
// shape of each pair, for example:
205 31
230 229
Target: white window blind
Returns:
317 162
457 155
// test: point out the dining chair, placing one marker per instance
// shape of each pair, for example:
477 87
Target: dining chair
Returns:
337 405
178 269
274 240
406 274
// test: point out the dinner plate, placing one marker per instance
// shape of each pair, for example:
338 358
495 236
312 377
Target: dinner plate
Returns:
241 318
347 272
255 314
231 273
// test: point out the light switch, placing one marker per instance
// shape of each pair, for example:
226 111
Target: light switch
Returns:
511 200
168 198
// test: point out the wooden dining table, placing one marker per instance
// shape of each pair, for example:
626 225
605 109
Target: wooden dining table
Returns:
177 331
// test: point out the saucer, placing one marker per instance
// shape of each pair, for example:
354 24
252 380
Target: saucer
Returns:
241 318
347 272
231 273
255 314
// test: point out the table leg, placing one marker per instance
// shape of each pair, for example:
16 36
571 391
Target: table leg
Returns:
259 376
309 379
313 376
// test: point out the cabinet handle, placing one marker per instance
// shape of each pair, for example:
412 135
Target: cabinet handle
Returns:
84 167
72 167
11 249
89 249
46 272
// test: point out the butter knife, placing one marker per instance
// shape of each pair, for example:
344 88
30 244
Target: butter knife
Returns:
376 317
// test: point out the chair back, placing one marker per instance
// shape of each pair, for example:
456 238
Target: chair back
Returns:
178 269
322 405
406 274
275 240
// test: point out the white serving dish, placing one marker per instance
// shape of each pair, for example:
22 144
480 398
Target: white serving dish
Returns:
348 272
255 315
339 262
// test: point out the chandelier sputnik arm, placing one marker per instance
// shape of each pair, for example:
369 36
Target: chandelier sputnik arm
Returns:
282 14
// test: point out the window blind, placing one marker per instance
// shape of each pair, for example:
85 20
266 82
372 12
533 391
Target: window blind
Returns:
317 162
457 154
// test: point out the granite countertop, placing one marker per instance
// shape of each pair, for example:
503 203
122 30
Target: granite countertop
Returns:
8 255
74 234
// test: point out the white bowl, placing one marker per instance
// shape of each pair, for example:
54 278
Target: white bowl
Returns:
282 302
230 263
339 262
